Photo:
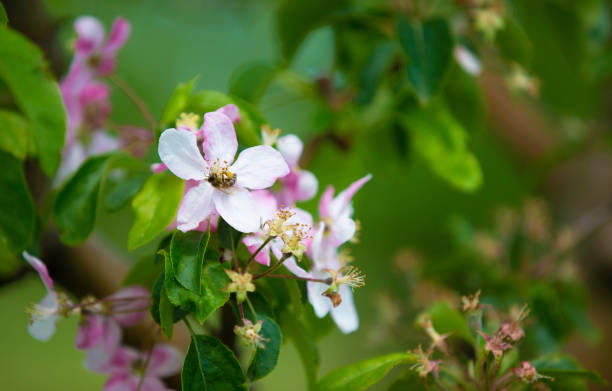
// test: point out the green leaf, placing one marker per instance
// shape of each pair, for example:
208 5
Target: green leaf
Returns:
298 18
212 366
408 381
166 313
24 70
187 254
372 73
155 207
564 368
17 213
14 134
3 16
76 205
514 43
304 344
177 102
228 236
359 376
207 100
251 81
447 320
442 142
212 296
144 272
265 360
428 46
123 191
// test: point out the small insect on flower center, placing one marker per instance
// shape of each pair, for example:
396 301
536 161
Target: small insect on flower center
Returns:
220 176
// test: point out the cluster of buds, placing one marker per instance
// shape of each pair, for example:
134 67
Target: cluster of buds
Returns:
293 234
250 335
480 368
520 81
489 17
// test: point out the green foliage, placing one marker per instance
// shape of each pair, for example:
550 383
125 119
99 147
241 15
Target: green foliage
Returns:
187 254
24 70
359 376
154 207
304 344
76 205
177 102
14 139
428 46
442 142
448 320
211 296
566 371
409 380
251 81
123 191
166 313
3 16
297 18
210 365
17 214
265 359
513 43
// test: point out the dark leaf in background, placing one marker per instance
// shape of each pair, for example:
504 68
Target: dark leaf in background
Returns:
187 254
265 359
428 47
513 43
13 134
251 81
24 70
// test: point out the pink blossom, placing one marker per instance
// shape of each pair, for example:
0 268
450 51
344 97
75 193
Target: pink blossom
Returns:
45 314
126 307
299 185
92 53
222 187
336 212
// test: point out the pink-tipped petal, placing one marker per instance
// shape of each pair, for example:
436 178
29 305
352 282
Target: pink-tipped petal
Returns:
306 186
118 35
42 327
220 141
291 147
156 168
231 111
345 315
196 206
89 332
90 34
325 202
252 243
72 157
165 361
238 208
121 381
40 268
99 357
343 199
133 305
266 204
259 167
102 142
178 150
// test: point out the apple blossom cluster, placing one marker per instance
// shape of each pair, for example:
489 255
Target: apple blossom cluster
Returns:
99 333
443 368
255 193
87 97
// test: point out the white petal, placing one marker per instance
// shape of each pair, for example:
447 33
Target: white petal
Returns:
259 167
90 29
72 157
293 267
467 60
195 207
102 142
307 186
320 304
219 138
238 208
178 149
290 146
345 315
43 329
343 229
266 204
165 361
343 199
99 358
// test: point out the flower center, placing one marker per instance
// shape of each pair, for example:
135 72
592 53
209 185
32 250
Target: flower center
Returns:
221 177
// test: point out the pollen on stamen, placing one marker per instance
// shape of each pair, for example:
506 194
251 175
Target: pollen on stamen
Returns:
352 277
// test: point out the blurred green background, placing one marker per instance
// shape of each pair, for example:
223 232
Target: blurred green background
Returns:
404 205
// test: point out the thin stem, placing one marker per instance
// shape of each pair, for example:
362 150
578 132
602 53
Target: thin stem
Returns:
147 362
327 281
241 311
140 104
268 240
497 383
273 267
252 309
441 385
186 321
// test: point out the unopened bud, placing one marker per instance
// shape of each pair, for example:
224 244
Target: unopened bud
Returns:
528 374
240 284
470 303
250 334
268 135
